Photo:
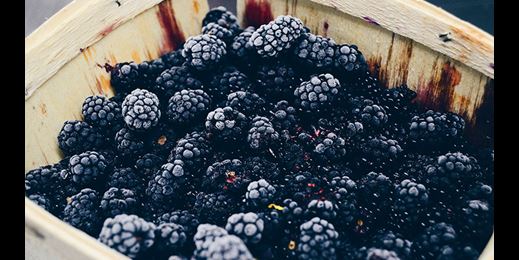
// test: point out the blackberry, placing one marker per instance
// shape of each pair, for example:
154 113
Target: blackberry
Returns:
261 168
124 76
304 186
291 155
186 106
173 58
330 147
323 209
276 80
41 180
141 110
203 52
214 207
82 211
451 172
284 116
262 134
222 17
174 79
363 84
413 166
161 139
410 203
169 237
194 150
128 234
348 59
219 31
117 201
429 244
382 150
398 102
314 52
226 124
227 175
127 178
342 191
271 39
77 137
318 93
128 143
169 184
476 221
342 187
259 193
317 240
98 111
292 215
205 236
436 128
369 113
241 51
147 165
479 191
375 192
228 248
226 81
381 254
42 201
247 226
149 71
393 242
87 168
181 217
248 103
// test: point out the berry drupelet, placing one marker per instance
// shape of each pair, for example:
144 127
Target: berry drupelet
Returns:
141 110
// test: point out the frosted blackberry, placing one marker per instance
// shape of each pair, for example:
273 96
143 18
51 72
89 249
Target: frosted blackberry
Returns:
330 147
303 186
375 192
247 226
41 201
314 52
317 240
219 31
348 59
215 207
87 168
175 79
222 17
241 50
323 209
203 52
117 201
78 136
186 106
279 35
205 236
261 168
41 180
182 217
194 150
363 84
229 247
169 237
246 102
369 113
148 164
262 134
141 110
410 203
173 58
284 116
343 192
430 242
127 178
318 93
479 191
398 102
476 221
227 175
226 124
436 128
169 184
149 71
379 254
124 76
227 80
259 193
98 111
128 143
393 242
82 211
128 234
276 80
382 149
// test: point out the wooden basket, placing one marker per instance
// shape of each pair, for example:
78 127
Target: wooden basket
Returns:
448 62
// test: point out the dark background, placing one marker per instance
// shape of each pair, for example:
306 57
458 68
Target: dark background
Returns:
477 12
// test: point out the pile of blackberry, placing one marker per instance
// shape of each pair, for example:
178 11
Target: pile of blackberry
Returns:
300 154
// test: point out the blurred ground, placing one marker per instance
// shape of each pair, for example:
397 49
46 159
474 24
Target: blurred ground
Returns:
477 12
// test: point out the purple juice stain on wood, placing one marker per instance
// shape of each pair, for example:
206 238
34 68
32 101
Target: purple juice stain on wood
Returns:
174 37
257 12
325 28
438 93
